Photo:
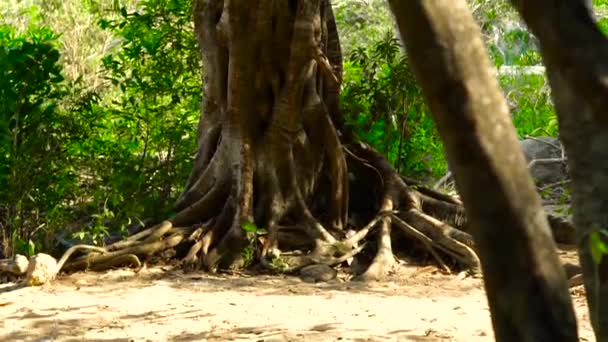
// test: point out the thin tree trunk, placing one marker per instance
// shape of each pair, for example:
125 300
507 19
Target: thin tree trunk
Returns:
525 285
575 53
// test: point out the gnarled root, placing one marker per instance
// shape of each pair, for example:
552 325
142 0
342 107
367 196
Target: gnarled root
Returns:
143 244
408 211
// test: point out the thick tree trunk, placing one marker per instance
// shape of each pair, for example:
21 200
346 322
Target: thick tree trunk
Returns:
270 151
575 53
264 95
525 285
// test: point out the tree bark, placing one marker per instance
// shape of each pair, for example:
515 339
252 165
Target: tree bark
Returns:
271 151
575 53
524 282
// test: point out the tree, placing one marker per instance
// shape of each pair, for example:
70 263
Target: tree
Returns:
273 153
439 36
575 53
528 298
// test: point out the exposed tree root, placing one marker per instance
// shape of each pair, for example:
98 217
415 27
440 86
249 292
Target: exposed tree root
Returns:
130 253
383 260
412 210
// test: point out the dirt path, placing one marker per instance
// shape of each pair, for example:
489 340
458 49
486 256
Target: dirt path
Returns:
155 305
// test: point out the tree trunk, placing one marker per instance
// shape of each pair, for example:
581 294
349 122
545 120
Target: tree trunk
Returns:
265 97
525 285
270 151
575 53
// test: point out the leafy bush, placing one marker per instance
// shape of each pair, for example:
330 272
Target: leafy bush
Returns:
384 107
144 133
532 110
361 23
33 133
98 159
603 25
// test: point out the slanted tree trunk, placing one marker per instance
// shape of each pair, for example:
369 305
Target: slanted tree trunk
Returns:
525 285
575 53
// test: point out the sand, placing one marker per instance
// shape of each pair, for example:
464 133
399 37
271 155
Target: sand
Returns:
158 304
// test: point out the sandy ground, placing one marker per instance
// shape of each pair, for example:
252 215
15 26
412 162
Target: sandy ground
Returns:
418 304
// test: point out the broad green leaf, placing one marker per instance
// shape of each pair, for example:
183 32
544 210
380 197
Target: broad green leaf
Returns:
249 227
598 247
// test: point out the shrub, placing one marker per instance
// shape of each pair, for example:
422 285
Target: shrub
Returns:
383 106
145 126
34 178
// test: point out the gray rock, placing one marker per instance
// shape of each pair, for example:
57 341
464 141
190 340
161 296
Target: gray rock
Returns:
542 148
317 273
539 148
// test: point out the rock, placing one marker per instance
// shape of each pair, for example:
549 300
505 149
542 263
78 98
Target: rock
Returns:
545 148
41 270
317 273
541 148
535 149
17 265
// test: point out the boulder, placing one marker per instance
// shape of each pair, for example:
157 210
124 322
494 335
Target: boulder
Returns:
317 273
538 148
543 148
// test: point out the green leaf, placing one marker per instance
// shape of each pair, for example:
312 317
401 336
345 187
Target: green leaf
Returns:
31 247
249 227
598 247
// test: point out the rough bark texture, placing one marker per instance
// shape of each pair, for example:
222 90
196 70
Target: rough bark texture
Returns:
575 53
270 149
525 285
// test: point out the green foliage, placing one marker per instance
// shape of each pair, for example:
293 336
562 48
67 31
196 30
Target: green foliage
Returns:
510 44
106 157
600 3
532 110
384 107
253 236
603 25
144 129
82 43
33 135
599 247
361 23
